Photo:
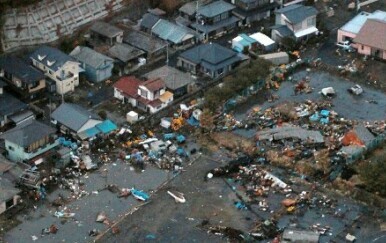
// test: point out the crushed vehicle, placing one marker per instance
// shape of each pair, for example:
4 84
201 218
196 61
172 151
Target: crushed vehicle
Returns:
328 92
356 89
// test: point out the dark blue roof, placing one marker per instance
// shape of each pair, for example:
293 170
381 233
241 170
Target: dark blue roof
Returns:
283 30
20 69
51 57
73 116
296 13
10 105
215 8
28 133
212 53
149 20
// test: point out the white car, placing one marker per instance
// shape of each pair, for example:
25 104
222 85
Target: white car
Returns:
356 89
346 45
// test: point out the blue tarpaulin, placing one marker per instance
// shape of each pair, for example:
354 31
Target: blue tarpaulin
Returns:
168 136
193 122
324 120
91 132
315 117
325 113
180 138
106 126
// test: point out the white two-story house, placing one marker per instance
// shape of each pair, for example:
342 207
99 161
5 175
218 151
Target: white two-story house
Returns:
57 66
295 21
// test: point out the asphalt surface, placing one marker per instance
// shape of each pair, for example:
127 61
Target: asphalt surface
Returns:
345 104
164 220
87 207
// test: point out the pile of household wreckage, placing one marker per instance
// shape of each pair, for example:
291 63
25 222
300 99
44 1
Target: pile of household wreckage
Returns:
309 138
137 150
254 186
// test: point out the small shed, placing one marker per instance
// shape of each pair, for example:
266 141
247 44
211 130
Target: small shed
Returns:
132 117
243 43
276 58
264 41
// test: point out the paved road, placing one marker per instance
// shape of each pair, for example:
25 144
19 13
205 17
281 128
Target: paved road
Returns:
87 207
167 221
345 104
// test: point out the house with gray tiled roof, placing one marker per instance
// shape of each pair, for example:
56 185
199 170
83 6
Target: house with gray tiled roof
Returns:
9 106
177 36
126 57
74 119
254 10
58 67
106 33
215 19
97 66
153 46
210 59
23 79
29 140
148 21
294 21
369 40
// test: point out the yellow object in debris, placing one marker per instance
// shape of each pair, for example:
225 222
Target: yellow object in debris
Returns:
291 209
177 123
296 54
150 133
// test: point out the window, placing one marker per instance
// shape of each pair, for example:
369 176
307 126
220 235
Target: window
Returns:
220 71
362 47
11 148
143 93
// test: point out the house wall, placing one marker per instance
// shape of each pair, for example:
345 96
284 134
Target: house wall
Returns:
369 51
40 86
118 94
3 207
276 36
187 65
279 19
70 70
257 17
343 35
100 74
17 153
89 124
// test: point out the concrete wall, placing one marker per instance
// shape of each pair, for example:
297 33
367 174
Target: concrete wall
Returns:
49 20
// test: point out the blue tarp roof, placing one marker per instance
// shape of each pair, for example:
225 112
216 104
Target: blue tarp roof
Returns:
106 126
248 39
91 132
